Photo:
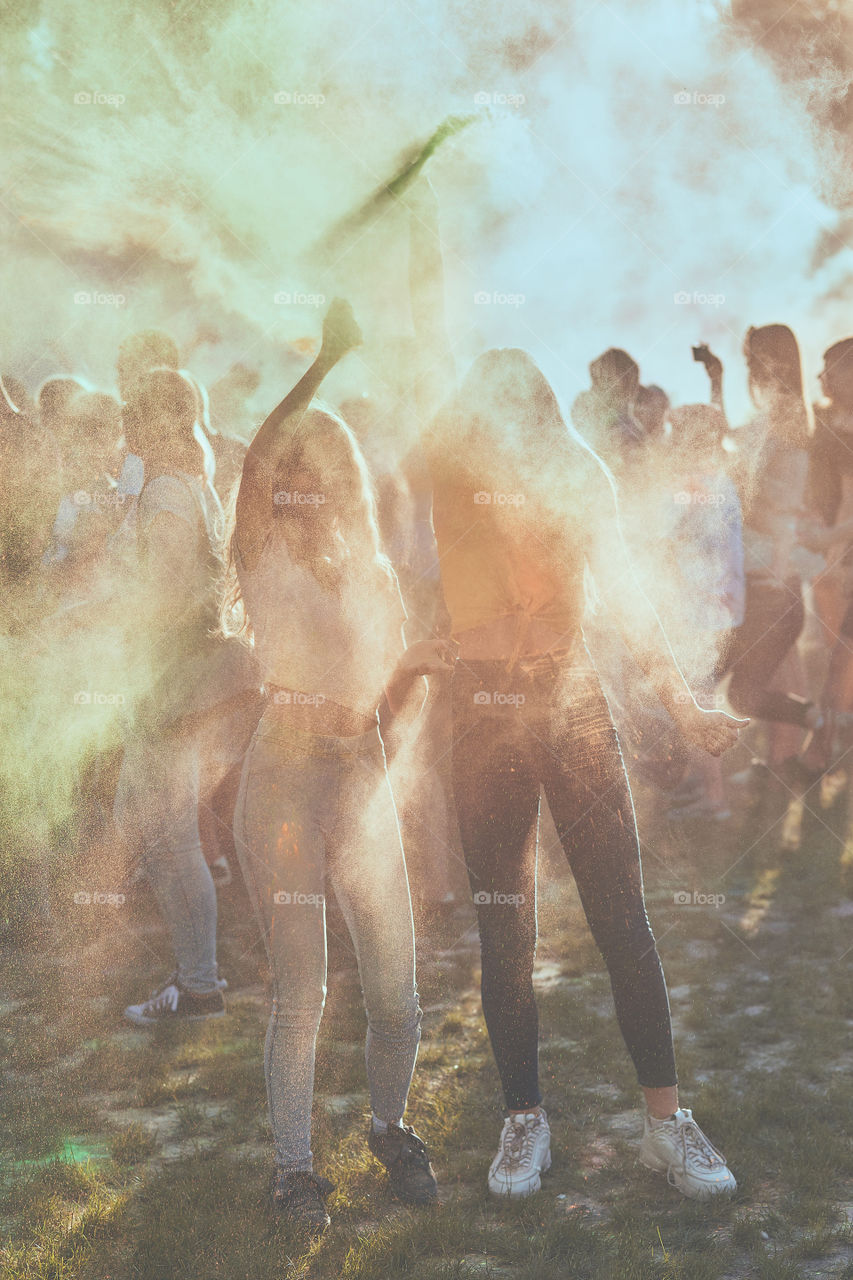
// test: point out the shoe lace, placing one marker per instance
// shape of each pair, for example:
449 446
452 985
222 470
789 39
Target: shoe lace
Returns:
696 1146
517 1142
414 1148
166 998
411 1149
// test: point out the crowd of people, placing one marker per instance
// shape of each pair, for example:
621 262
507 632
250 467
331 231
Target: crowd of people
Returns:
310 616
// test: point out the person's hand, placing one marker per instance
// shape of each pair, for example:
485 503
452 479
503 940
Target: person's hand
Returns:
713 364
713 731
425 658
340 331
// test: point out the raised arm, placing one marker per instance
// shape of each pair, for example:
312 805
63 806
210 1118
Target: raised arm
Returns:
619 586
340 335
714 369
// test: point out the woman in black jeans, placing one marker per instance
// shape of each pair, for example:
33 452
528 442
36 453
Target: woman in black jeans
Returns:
521 508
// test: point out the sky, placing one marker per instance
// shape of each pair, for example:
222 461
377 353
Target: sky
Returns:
646 175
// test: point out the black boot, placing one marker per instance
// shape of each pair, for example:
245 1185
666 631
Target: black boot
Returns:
301 1197
404 1154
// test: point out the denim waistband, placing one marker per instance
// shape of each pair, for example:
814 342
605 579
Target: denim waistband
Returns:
275 726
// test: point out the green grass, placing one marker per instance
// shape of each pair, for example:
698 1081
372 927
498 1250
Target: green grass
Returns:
176 1125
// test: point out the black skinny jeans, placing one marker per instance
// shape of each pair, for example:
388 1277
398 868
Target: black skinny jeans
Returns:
773 619
560 736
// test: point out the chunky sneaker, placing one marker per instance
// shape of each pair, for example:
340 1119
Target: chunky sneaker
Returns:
679 1148
404 1154
524 1153
172 1004
302 1198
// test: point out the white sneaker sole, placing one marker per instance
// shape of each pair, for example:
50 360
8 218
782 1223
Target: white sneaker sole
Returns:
693 1190
140 1019
518 1190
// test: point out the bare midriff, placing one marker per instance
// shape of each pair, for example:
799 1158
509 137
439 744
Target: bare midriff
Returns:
325 717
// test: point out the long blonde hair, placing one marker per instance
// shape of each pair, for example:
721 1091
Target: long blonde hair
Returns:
356 529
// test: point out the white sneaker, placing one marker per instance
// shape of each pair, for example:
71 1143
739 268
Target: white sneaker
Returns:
679 1148
524 1153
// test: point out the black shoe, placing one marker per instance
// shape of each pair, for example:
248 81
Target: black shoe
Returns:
172 1004
405 1157
302 1198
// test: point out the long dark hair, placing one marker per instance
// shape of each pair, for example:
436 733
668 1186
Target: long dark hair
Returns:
356 528
775 377
506 404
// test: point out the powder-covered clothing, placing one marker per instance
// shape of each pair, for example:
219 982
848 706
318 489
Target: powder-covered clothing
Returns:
339 645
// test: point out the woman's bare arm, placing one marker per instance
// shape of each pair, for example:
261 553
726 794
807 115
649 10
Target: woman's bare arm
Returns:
340 335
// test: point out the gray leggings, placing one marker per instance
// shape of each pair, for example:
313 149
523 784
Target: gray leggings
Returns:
311 805
156 807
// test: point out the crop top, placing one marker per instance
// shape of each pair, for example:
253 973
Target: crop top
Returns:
309 639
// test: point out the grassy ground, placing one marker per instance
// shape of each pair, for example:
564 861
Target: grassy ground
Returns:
132 1155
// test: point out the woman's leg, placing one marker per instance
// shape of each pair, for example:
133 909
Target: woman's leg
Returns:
157 803
496 788
773 619
368 871
279 839
587 790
